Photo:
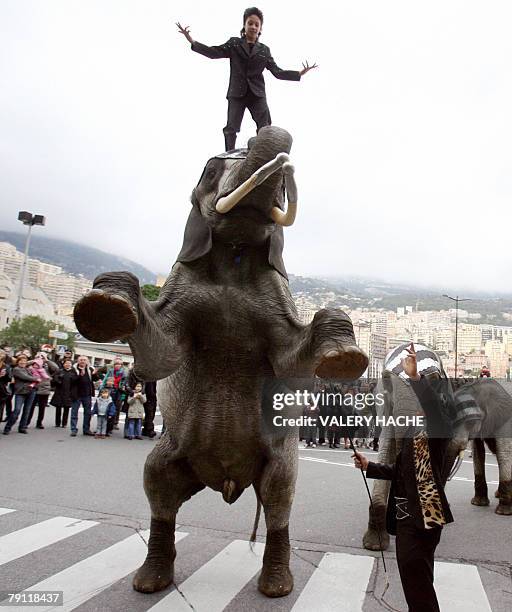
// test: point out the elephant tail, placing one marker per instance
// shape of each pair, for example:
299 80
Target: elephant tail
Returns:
256 523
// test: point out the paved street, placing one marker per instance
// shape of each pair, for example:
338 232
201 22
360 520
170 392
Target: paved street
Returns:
74 517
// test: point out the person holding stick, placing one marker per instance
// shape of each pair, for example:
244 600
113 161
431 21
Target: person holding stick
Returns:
417 506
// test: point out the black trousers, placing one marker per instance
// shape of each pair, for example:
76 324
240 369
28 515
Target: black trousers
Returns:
415 550
61 416
42 402
236 108
148 427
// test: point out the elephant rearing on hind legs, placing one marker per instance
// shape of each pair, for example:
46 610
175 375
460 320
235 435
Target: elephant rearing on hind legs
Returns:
224 323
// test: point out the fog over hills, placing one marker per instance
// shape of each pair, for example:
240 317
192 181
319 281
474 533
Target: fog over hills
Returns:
76 258
341 292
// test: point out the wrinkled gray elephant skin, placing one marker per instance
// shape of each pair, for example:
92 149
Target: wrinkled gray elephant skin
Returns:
224 322
494 429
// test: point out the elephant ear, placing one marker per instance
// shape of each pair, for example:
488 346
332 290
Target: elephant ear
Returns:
197 239
275 251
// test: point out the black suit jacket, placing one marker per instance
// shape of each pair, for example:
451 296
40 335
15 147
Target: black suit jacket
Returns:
246 67
439 430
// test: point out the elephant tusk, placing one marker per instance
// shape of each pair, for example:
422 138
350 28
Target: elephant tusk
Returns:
287 218
228 202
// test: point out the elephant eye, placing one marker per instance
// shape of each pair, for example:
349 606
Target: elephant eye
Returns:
210 173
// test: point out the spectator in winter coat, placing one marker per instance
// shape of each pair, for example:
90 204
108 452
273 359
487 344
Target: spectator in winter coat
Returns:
136 413
46 369
24 392
312 414
82 390
68 356
5 381
62 398
119 374
104 407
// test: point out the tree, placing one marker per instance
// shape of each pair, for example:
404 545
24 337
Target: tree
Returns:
31 332
150 292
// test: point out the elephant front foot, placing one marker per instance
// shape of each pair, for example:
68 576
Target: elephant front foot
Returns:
157 572
374 539
153 576
505 495
347 363
333 344
504 509
275 579
479 500
103 317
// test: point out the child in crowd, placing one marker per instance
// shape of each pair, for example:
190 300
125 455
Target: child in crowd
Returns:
103 409
136 413
109 386
37 370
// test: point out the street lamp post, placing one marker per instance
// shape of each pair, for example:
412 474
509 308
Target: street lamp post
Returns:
456 299
27 219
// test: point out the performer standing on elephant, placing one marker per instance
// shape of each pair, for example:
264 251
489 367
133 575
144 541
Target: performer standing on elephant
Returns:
417 506
248 58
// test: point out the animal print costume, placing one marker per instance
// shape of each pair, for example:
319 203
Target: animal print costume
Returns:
430 502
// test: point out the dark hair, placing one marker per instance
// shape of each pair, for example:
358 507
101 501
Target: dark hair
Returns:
247 13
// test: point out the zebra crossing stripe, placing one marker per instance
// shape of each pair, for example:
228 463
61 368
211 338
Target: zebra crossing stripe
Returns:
459 588
85 579
6 511
217 582
24 541
339 583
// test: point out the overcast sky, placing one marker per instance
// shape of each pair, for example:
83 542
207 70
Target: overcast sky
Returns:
402 137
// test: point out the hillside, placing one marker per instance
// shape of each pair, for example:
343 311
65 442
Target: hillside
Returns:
375 294
76 258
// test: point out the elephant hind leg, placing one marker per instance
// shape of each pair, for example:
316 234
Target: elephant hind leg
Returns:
481 494
504 457
276 489
168 484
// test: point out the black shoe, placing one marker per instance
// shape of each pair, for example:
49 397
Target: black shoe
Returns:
88 433
22 431
331 445
73 434
39 426
6 433
335 445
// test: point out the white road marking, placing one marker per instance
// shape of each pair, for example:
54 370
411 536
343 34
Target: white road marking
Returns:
24 541
339 583
87 578
351 465
6 511
459 588
217 582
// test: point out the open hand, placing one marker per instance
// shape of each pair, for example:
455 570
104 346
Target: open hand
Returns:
410 364
185 31
360 461
306 67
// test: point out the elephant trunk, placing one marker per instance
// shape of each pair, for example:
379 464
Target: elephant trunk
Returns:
270 142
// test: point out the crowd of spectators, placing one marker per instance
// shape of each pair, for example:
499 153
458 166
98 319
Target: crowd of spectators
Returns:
28 382
335 402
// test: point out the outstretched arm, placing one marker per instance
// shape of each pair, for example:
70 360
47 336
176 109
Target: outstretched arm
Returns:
215 52
306 67
288 75
185 31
